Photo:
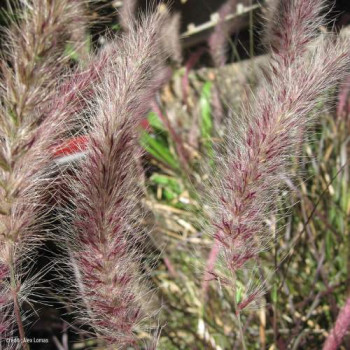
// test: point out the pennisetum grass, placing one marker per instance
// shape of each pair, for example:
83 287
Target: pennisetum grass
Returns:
221 34
34 58
42 104
340 328
106 237
171 41
261 144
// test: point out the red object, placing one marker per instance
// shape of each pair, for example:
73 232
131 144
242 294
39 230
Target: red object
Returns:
78 144
145 124
69 147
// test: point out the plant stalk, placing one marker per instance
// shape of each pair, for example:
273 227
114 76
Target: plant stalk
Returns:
238 313
16 310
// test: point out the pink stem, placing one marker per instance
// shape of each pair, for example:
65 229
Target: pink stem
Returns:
170 267
342 324
189 65
342 98
210 266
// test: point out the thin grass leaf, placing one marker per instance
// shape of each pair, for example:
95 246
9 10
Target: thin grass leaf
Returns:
158 150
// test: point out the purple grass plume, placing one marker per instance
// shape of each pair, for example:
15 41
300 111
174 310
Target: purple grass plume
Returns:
260 145
128 14
33 59
221 34
169 32
106 234
342 325
171 41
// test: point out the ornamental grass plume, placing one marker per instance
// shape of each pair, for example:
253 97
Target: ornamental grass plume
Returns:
260 146
171 39
34 57
341 326
291 26
221 34
106 237
128 14
170 31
